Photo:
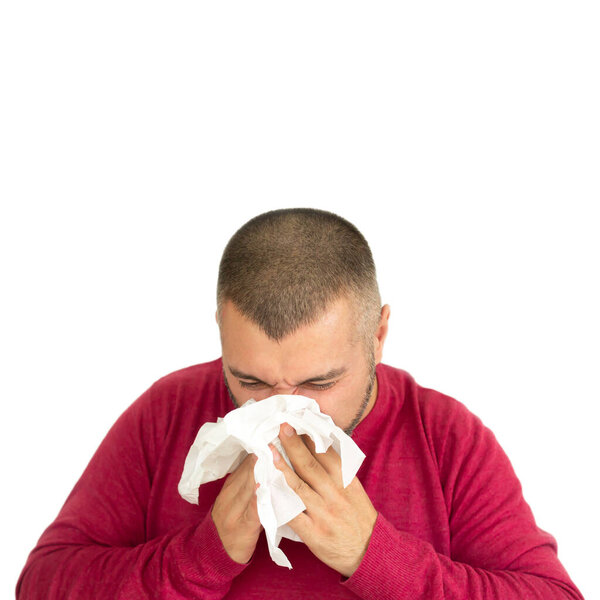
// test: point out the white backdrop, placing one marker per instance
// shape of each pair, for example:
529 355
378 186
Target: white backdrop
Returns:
460 137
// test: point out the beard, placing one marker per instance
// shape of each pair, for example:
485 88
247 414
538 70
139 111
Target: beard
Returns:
359 413
366 397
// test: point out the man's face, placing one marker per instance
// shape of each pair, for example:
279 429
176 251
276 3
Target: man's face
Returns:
321 361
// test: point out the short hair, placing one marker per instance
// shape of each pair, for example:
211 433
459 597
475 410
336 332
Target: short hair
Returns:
284 268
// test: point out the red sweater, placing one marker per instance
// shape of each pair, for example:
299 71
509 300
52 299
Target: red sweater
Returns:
452 522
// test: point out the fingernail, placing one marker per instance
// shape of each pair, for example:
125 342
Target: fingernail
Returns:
289 431
276 455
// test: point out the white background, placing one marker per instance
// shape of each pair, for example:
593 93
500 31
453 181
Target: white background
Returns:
462 138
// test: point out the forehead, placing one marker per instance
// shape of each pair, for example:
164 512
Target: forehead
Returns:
326 344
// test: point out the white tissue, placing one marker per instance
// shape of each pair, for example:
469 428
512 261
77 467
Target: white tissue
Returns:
220 447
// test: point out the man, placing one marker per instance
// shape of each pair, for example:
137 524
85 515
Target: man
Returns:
435 511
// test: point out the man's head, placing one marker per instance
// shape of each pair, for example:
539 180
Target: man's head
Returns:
297 300
284 269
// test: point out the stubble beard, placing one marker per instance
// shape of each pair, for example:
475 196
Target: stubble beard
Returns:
357 418
367 396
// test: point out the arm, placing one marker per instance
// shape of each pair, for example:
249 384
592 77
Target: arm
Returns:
497 551
97 546
399 565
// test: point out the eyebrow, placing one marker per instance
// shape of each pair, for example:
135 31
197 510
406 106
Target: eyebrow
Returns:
331 374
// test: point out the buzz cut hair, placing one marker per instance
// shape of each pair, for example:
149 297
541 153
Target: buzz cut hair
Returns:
284 268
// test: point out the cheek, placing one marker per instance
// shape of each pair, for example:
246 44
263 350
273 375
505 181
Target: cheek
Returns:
260 394
244 394
337 403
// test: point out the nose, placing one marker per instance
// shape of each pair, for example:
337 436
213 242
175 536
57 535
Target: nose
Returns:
286 390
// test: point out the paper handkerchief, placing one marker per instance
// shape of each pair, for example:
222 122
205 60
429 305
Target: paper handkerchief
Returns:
220 447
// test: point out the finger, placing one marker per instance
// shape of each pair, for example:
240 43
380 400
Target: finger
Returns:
241 481
309 496
306 465
330 459
304 526
246 498
252 510
233 500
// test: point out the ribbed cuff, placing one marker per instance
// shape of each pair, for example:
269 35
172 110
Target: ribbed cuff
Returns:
391 566
207 557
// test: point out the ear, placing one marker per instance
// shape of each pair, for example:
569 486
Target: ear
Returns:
381 333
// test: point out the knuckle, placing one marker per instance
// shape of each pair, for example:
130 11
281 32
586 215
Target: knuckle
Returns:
300 485
338 504
249 519
311 464
326 530
229 521
337 509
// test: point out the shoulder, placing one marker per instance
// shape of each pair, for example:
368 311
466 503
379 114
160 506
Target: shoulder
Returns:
175 405
446 423
464 448
443 414
186 391
194 377
435 408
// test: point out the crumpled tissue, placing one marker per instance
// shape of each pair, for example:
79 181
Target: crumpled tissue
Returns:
219 448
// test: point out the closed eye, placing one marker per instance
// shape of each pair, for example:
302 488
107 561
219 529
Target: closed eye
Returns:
313 386
251 384
319 386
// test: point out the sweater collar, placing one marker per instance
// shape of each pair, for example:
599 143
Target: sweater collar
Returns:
370 427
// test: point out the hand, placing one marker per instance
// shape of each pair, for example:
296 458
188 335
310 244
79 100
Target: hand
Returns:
338 522
235 514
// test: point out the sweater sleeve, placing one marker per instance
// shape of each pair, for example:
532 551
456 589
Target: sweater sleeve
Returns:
497 551
97 546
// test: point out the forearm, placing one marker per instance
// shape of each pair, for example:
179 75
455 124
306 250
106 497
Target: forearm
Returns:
399 565
190 563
